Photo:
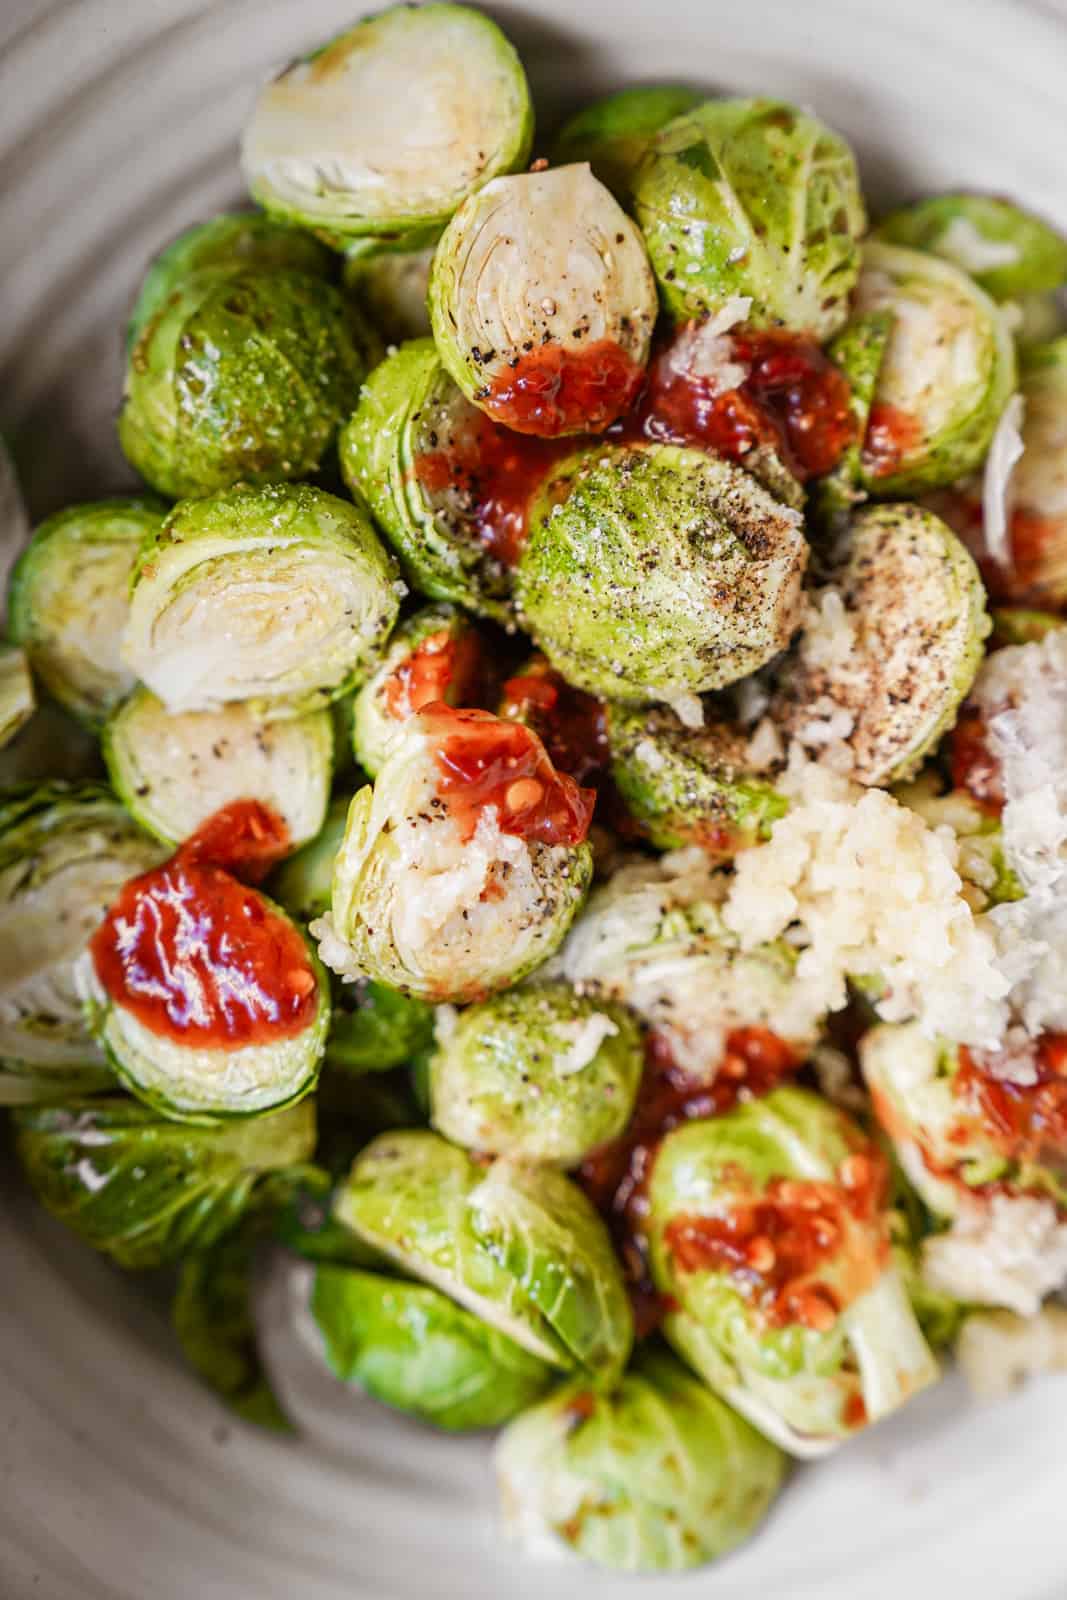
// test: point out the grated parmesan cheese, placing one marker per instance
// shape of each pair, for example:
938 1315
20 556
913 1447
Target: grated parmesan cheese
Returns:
1004 451
583 1038
705 349
998 1350
962 243
1008 1250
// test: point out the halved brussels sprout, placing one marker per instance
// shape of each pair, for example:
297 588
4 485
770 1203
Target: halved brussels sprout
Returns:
208 1000
17 702
416 451
858 351
173 770
890 648
521 1247
411 1347
389 126
390 287
433 655
1007 251
374 1029
540 1074
981 1136
542 302
613 134
303 883
281 596
659 572
69 600
653 939
687 785
65 853
147 1190
981 863
464 864
659 1476
1037 491
752 198
235 240
948 372
768 1230
241 376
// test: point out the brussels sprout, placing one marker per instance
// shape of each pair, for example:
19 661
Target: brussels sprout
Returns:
1016 625
434 655
388 126
65 852
239 377
540 1074
659 1476
235 240
768 1230
17 703
302 884
69 600
146 1190
689 785
981 862
939 1315
657 573
752 198
390 287
304 1221
890 649
1007 251
858 351
613 133
1036 319
173 770
214 1323
415 451
542 302
521 1247
463 866
280 596
653 939
182 1068
374 1029
413 1348
1038 485
948 373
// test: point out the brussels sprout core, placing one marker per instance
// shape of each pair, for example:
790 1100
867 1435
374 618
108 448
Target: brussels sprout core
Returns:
542 302
656 573
390 125
280 596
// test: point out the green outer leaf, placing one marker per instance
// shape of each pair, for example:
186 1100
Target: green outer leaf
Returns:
146 1190
302 884
374 1029
411 1347
17 702
858 352
305 1224
1041 262
658 1476
613 133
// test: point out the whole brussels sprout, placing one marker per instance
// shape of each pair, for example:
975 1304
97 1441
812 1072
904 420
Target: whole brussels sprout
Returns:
146 1190
948 372
241 376
69 600
235 240
542 302
65 852
174 770
613 133
658 1476
890 648
768 1230
281 596
17 702
390 288
519 1246
659 572
752 199
688 786
389 125
540 1074
433 655
411 1347
463 866
653 938
1007 251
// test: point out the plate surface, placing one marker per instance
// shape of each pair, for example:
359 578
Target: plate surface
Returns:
120 1479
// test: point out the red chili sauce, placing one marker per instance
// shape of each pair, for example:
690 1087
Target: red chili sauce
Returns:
1024 578
484 760
972 763
793 400
1027 1120
892 436
553 390
569 723
445 666
615 1177
199 958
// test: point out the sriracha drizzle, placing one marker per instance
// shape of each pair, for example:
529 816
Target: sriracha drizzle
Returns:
552 390
569 723
199 958
442 667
